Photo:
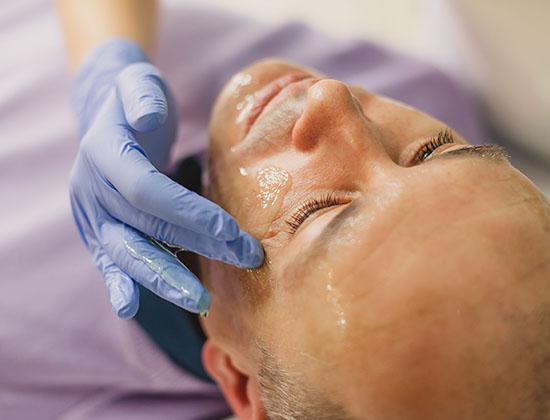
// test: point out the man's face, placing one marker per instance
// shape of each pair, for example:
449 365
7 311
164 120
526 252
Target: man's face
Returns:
392 257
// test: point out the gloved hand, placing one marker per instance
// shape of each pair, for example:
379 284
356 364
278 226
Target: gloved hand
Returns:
128 120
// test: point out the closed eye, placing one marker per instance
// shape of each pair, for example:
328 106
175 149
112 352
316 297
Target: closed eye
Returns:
308 208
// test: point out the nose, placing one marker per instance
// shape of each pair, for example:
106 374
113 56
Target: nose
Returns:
333 114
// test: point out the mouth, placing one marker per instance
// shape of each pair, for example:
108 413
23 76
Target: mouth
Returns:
264 96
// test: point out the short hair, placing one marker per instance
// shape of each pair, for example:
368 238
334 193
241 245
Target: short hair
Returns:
287 396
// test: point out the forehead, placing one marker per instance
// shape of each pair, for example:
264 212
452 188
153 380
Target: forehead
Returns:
401 256
398 222
405 294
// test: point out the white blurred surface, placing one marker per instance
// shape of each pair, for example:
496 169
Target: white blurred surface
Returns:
389 22
499 49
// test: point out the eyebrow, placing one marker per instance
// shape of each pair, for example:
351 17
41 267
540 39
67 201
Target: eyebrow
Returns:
320 244
486 151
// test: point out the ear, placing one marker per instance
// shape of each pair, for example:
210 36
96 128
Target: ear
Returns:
241 389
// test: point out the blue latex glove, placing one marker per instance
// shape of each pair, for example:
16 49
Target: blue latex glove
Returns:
128 121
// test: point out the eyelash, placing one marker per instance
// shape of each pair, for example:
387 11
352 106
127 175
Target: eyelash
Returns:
310 207
426 149
328 200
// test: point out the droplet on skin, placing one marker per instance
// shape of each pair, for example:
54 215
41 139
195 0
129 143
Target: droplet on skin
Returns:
272 184
243 171
336 306
245 107
272 181
238 81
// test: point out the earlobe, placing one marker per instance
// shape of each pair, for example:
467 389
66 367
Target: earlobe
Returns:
240 388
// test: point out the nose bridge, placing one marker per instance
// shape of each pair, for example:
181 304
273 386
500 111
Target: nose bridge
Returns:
333 114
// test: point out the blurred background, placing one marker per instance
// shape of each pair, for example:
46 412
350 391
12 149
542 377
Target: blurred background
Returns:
497 48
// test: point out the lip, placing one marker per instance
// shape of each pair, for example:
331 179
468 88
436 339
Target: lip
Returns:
265 95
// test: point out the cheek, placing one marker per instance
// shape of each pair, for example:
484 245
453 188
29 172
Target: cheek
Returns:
253 195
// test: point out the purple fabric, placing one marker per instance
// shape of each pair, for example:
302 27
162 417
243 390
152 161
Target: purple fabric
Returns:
63 352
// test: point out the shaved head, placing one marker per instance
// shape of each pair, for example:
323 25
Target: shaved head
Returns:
406 274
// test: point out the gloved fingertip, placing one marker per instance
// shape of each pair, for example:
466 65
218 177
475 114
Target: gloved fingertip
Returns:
141 91
251 253
124 296
198 305
203 304
148 120
127 311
